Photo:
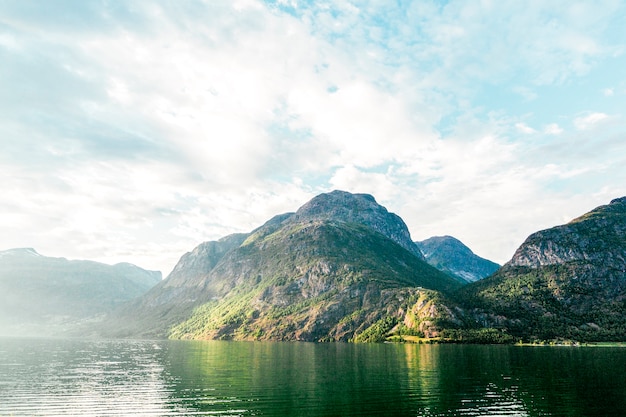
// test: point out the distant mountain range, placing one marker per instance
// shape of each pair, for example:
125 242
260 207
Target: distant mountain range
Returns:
40 295
343 268
451 256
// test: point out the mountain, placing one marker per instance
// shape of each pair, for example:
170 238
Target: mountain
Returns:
44 295
173 299
565 282
358 208
340 268
451 256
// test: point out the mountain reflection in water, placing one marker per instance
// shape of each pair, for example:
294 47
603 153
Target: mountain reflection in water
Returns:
48 377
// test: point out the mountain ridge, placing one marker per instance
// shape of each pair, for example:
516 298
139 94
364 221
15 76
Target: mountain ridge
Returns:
294 269
568 281
358 208
343 268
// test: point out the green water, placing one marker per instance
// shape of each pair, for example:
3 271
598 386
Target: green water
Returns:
170 378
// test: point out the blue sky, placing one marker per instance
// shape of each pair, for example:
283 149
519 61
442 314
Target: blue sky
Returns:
133 131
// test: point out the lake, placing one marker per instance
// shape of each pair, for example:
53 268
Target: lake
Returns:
50 377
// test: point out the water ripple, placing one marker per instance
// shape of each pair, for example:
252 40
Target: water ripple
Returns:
143 378
92 379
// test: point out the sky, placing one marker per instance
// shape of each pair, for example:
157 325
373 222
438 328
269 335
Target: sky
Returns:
132 131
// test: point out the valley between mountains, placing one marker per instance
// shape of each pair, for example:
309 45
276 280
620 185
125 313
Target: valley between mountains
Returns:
343 268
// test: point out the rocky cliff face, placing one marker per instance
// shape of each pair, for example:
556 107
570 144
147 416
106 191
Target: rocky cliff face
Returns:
568 281
44 296
201 259
596 237
337 267
358 208
451 256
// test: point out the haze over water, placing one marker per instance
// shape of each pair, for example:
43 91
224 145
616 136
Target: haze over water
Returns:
40 377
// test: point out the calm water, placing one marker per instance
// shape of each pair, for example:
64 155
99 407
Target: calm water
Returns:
167 378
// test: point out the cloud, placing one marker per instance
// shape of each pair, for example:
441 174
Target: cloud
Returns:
524 128
134 131
527 93
553 129
382 185
586 122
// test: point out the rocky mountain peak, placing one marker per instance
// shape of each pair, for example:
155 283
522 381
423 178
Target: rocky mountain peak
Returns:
598 236
357 208
568 281
340 205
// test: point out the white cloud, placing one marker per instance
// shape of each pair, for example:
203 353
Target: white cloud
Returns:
135 133
524 128
382 185
553 129
588 121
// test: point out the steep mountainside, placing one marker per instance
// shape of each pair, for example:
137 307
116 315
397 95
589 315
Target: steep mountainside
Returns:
358 208
339 268
451 256
44 295
172 299
568 281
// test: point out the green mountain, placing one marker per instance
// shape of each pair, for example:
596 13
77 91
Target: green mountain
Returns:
341 268
451 256
41 295
565 282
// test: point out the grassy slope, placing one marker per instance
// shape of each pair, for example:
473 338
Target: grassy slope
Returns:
582 299
311 281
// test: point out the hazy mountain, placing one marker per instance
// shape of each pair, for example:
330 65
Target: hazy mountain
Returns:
451 256
568 281
342 267
44 295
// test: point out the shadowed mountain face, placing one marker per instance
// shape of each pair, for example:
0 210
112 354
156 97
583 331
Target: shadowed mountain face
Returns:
43 295
451 256
568 281
339 266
